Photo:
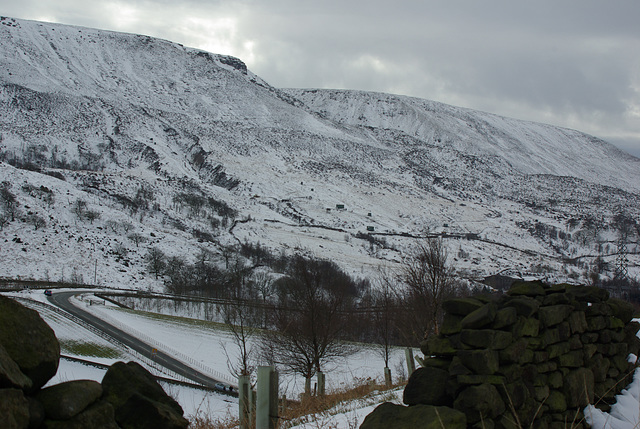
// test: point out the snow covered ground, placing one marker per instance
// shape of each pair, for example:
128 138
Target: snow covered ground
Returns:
203 346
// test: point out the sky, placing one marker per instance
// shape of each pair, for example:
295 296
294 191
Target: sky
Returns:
571 63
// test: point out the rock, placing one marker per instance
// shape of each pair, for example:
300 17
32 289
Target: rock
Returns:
505 318
578 322
36 412
63 401
484 362
578 388
554 314
531 289
479 402
390 415
623 310
133 392
525 306
139 412
437 345
10 374
486 338
461 306
480 318
427 386
14 409
29 341
588 293
451 324
557 402
100 415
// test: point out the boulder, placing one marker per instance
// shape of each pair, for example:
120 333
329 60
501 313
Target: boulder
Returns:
484 362
578 388
461 306
138 398
525 306
427 386
14 409
480 402
10 374
588 293
486 338
505 318
390 415
29 341
554 314
63 401
531 289
480 318
139 412
621 309
100 415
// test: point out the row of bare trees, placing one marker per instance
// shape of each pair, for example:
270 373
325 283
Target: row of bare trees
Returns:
316 311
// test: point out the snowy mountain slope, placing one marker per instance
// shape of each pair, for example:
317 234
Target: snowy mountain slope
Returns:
529 148
133 124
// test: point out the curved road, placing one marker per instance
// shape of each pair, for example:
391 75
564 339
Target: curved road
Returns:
61 299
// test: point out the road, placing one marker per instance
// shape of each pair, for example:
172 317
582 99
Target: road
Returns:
61 299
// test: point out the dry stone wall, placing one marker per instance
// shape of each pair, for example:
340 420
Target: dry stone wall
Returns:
534 357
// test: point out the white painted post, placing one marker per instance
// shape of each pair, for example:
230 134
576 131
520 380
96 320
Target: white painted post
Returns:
411 366
267 398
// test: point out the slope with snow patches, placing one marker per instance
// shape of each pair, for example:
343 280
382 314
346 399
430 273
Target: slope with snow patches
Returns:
114 114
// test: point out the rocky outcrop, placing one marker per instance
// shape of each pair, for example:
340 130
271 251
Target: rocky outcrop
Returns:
128 397
534 357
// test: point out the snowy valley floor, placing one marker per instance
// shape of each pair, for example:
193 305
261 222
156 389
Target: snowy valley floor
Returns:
203 345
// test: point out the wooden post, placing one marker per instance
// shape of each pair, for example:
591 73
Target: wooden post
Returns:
411 366
244 401
387 377
267 398
321 384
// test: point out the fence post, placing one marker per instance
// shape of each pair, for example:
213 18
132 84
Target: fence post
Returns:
387 377
267 398
244 399
411 366
321 383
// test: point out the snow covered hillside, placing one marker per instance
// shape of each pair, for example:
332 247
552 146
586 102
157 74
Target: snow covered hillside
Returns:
111 144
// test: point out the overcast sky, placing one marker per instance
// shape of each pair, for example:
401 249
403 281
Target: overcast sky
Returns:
573 63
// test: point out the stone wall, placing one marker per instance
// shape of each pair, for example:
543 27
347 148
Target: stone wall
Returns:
128 397
534 357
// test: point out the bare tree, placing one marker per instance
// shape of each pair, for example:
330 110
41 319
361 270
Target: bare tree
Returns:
243 323
37 221
314 302
112 225
8 200
156 261
428 280
384 323
91 215
136 238
79 208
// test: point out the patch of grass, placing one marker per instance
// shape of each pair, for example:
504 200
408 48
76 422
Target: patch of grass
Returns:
81 348
175 319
